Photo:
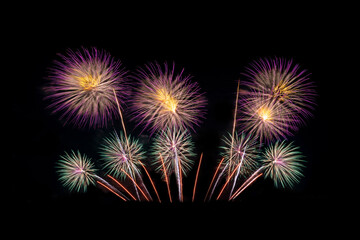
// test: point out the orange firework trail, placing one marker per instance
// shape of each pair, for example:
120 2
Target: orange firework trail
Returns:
118 183
152 183
121 117
247 183
109 187
166 178
234 123
217 169
196 178
228 180
137 186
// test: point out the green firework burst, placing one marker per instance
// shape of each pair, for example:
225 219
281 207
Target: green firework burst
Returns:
76 171
240 151
121 154
283 163
173 145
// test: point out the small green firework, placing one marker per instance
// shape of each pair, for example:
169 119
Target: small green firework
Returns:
76 171
239 152
120 154
173 145
283 163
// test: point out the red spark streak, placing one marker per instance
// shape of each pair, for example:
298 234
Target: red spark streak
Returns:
217 169
135 184
102 184
118 183
196 178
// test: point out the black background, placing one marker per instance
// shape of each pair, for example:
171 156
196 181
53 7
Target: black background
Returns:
212 43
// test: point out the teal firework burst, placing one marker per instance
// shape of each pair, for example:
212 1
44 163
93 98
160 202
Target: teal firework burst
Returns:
172 150
121 155
283 163
76 171
240 153
172 145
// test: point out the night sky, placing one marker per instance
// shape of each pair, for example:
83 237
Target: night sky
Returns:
214 46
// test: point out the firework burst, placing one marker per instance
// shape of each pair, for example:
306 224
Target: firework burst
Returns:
283 163
264 119
239 153
121 156
279 99
76 171
81 87
172 151
167 100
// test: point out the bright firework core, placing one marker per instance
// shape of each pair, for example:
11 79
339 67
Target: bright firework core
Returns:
89 82
168 101
79 171
265 114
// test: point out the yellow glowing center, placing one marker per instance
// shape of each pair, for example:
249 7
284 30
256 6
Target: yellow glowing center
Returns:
88 82
282 91
168 101
265 114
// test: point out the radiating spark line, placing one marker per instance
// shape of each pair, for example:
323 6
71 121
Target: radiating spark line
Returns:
259 170
152 183
143 185
135 184
234 123
228 180
166 178
178 175
242 188
235 179
196 177
118 183
238 170
217 180
108 188
217 169
121 117
103 181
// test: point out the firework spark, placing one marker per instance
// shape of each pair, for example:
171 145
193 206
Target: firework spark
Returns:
81 87
173 150
279 99
167 100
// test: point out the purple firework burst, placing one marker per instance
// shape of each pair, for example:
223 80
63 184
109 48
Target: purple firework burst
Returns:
81 87
167 100
278 99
